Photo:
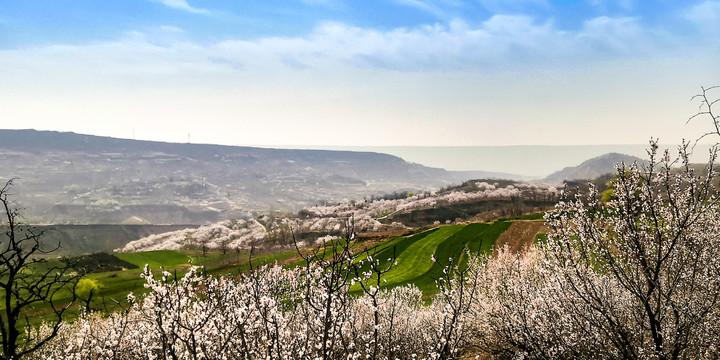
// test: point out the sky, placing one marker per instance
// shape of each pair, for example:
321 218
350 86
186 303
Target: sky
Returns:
362 72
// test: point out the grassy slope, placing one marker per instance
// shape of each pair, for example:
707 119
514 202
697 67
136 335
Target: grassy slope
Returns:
155 259
414 261
115 285
475 238
412 254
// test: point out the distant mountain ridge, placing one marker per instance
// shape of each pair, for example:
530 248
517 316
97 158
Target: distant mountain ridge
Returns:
66 177
38 141
592 168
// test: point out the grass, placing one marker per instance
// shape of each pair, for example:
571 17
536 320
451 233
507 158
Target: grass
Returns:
483 241
156 260
398 245
414 261
412 254
541 239
268 259
474 238
533 216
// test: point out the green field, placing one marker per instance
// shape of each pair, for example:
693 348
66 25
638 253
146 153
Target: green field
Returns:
117 284
155 259
533 216
412 253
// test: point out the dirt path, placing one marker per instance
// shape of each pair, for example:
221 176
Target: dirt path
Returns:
520 234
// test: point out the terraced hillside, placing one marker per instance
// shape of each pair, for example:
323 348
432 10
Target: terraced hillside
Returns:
412 253
102 180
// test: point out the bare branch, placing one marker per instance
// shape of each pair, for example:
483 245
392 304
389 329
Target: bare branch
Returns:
705 108
27 281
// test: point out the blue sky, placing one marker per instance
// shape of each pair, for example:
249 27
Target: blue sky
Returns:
337 72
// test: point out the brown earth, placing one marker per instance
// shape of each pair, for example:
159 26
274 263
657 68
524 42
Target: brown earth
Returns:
383 235
492 215
520 234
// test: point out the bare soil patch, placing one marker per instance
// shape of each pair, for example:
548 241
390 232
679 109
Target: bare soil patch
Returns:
520 234
383 235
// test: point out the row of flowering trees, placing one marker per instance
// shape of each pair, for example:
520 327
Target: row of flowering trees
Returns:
243 234
637 277
309 312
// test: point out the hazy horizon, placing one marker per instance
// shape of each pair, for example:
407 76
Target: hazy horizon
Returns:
533 161
528 161
371 73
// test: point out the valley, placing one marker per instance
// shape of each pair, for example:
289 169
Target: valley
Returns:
412 254
67 178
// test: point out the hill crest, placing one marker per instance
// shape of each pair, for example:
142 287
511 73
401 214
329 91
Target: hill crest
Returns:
592 168
66 177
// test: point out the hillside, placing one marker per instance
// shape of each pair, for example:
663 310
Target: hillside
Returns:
84 239
83 179
592 168
119 274
473 201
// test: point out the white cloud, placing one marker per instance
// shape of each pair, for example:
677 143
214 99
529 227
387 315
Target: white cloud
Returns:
444 9
627 5
504 80
171 29
428 6
615 37
183 5
501 42
504 6
317 2
706 16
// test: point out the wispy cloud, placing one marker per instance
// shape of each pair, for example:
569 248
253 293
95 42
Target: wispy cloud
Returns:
318 2
428 6
171 29
622 4
504 6
184 6
501 42
467 69
706 16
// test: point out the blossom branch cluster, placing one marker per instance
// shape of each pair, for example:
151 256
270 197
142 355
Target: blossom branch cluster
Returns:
271 313
637 277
